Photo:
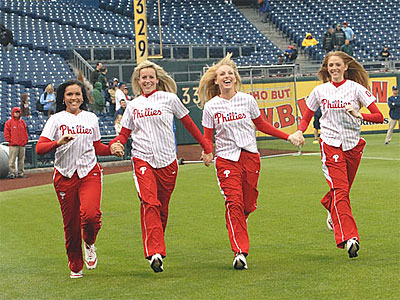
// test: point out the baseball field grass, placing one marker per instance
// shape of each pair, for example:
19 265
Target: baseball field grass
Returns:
292 253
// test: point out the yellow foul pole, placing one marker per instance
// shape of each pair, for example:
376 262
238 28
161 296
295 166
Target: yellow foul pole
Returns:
139 7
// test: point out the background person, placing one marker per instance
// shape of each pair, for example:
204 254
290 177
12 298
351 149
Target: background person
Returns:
348 32
309 40
328 41
95 73
74 134
394 113
232 114
150 120
25 110
317 127
340 97
99 101
347 48
6 38
119 95
385 54
122 107
48 100
16 134
339 37
117 124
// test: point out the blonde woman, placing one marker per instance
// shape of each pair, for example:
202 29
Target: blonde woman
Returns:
344 91
117 124
48 100
149 118
232 114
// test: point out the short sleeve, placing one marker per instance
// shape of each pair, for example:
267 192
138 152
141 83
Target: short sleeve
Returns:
365 96
254 109
313 102
96 130
127 120
207 120
178 109
50 128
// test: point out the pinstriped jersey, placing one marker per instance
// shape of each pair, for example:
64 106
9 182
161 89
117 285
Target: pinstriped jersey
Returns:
232 120
151 121
338 127
78 154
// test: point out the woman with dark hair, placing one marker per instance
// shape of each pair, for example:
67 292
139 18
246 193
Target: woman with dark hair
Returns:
25 111
343 92
74 134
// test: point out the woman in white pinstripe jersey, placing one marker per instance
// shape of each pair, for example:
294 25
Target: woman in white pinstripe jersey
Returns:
344 91
149 118
74 134
232 114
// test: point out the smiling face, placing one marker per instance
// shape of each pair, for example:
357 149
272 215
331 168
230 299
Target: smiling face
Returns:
336 68
73 99
147 80
225 78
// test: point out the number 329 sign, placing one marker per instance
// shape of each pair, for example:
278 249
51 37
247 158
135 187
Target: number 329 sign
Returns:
140 30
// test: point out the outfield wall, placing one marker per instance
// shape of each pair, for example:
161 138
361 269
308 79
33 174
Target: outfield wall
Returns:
276 99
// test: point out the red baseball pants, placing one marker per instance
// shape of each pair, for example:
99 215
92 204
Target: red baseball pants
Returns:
340 168
80 200
154 187
238 184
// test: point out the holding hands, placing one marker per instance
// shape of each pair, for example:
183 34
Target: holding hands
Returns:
297 138
207 158
117 149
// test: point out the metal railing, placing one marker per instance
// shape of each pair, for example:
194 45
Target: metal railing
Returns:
170 51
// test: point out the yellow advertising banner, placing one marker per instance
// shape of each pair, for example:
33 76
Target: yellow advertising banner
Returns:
278 106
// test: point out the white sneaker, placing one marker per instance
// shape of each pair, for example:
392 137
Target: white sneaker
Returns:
76 275
240 263
156 263
352 246
90 256
329 222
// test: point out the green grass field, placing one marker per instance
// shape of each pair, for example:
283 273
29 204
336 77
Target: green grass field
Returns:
292 253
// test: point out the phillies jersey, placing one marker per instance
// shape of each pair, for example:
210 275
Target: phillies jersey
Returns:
151 121
338 127
78 154
232 120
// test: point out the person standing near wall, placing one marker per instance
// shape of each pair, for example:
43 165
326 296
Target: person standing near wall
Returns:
394 113
16 134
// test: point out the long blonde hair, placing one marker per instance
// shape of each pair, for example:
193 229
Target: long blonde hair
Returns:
207 87
165 82
355 70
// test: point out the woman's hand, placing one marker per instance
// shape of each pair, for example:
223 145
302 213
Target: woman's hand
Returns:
117 149
207 158
66 138
297 138
350 109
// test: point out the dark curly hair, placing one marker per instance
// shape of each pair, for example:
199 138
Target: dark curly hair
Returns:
60 105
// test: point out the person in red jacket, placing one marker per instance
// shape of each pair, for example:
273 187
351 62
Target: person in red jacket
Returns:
16 135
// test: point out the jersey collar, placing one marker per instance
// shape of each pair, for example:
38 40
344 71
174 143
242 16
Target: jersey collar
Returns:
337 84
148 95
